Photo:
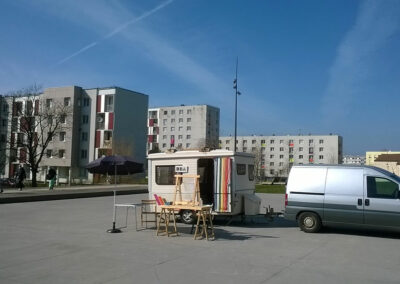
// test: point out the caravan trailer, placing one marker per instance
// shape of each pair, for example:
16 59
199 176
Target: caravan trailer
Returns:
225 179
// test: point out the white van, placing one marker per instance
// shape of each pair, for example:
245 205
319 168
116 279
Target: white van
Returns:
225 178
342 194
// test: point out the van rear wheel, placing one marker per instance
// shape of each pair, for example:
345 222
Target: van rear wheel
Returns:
188 217
309 222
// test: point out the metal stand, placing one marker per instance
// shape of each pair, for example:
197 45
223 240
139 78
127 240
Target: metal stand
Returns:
114 230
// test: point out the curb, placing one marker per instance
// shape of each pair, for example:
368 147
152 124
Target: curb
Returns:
66 195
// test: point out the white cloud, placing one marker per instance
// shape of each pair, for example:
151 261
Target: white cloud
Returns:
376 23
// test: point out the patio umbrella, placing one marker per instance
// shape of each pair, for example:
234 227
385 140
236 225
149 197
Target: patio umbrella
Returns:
114 165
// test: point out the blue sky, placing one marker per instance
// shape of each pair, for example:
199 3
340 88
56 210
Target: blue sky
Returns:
305 67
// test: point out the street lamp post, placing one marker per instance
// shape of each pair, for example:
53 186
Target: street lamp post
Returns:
237 93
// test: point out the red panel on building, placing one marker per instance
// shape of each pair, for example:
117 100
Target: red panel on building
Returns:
97 142
22 155
150 138
111 120
98 103
151 122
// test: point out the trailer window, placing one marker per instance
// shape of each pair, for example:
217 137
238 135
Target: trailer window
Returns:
165 175
251 172
241 169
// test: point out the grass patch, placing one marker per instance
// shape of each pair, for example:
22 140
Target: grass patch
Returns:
270 188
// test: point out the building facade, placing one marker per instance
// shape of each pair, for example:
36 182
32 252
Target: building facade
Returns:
389 162
275 155
353 160
182 127
100 121
371 156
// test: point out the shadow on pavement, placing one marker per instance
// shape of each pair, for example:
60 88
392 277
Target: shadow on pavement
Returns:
362 232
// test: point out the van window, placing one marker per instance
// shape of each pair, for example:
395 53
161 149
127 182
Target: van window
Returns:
241 169
165 175
251 172
381 188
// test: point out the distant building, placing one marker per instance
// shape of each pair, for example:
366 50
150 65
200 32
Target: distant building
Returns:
371 156
182 127
353 160
103 121
389 162
275 155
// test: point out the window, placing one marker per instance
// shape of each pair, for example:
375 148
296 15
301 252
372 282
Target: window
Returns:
85 119
311 150
164 129
172 112
165 112
187 145
241 169
63 118
164 137
180 120
321 157
84 136
244 149
188 136
227 148
262 142
86 102
49 153
280 164
280 156
181 111
172 120
189 111
165 175
291 141
83 154
271 171
179 145
310 142
49 103
280 141
271 142
290 150
271 156
382 188
180 128
164 121
50 136
253 149
300 156
67 101
271 163
164 145
61 153
227 141
321 149
188 128
301 149
244 142
188 119
172 128
301 141
271 149
281 149
321 141
253 141
251 172
180 137
62 136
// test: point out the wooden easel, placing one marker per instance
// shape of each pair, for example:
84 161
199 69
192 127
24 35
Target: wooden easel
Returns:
178 190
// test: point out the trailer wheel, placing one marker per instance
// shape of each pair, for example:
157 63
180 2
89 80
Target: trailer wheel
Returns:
309 222
188 216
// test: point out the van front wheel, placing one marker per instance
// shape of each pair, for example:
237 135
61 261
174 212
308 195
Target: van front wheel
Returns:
309 222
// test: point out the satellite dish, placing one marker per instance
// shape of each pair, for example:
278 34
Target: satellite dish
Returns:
100 119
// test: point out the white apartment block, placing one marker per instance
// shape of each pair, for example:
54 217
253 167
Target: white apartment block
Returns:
353 160
182 127
276 154
102 121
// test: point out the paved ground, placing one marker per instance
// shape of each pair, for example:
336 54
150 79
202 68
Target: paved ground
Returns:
64 241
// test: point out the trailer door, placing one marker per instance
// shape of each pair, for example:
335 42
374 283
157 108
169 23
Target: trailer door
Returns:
223 184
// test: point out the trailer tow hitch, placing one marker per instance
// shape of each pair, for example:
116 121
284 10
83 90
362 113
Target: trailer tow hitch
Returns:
270 214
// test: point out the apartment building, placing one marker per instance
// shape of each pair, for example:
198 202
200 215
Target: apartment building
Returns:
371 156
275 155
3 133
100 121
353 160
182 127
389 162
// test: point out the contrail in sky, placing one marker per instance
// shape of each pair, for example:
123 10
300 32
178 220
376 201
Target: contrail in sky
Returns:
116 30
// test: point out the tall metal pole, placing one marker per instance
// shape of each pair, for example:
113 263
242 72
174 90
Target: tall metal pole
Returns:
235 86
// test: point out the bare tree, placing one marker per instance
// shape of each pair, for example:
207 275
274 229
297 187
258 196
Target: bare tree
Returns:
34 123
259 171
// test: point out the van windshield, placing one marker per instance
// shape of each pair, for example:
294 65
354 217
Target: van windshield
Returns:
391 175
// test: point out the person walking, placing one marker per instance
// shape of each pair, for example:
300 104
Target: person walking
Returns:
51 177
21 175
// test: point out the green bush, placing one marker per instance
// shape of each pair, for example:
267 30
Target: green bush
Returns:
271 188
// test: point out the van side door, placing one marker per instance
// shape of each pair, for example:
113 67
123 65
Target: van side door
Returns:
344 192
381 204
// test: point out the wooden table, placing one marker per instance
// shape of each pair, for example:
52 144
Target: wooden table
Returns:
203 214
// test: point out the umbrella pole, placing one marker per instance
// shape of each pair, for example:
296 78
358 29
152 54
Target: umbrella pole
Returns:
114 230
